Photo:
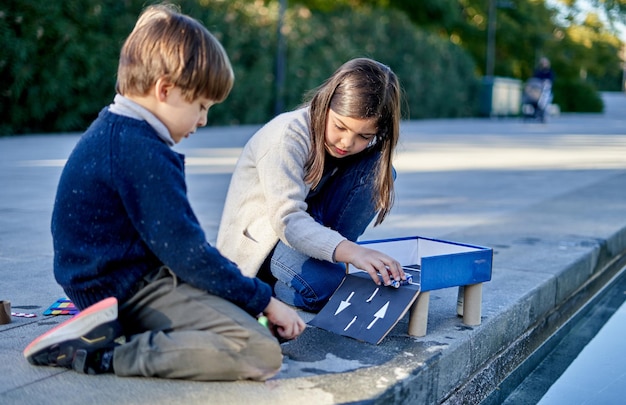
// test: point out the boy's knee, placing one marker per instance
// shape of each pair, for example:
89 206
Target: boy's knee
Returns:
265 357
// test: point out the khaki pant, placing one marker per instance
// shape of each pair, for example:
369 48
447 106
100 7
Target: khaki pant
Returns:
177 331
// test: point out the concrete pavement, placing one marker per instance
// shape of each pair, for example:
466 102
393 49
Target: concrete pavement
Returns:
548 198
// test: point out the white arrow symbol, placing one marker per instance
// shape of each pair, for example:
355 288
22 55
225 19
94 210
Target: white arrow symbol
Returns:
372 296
379 314
344 304
351 322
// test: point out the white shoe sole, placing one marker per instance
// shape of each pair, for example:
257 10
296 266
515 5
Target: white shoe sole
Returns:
75 328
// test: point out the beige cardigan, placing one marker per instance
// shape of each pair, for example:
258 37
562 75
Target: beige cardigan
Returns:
265 200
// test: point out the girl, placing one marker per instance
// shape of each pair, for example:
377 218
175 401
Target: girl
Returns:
310 181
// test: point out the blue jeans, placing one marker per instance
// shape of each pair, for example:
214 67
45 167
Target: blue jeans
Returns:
343 203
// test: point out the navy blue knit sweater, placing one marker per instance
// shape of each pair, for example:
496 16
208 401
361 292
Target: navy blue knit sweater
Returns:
121 211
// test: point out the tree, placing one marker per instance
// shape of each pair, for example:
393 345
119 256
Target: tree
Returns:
614 11
582 47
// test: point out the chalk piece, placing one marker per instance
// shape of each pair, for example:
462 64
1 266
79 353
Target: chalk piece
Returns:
62 306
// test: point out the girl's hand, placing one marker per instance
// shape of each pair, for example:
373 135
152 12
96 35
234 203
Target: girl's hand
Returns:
377 264
284 320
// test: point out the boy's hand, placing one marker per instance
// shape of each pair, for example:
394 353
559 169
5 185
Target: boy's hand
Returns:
286 321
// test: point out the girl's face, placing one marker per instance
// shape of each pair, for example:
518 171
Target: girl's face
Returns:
347 136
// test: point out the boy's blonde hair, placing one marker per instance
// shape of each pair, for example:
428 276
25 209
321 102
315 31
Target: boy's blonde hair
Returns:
166 43
361 88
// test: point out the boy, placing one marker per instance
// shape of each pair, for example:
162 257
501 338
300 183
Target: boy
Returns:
124 232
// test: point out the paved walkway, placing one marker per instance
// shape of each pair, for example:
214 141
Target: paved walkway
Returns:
549 198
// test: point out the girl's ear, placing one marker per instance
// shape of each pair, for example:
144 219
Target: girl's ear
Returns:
162 88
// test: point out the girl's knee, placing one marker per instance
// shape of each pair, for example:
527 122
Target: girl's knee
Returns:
302 295
306 283
306 299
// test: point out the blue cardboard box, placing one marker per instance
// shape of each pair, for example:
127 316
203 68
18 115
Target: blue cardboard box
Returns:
442 263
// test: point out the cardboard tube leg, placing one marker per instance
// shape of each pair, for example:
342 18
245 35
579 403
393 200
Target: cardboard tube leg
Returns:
419 315
473 296
459 301
5 312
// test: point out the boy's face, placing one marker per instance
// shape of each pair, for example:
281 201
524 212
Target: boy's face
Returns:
180 116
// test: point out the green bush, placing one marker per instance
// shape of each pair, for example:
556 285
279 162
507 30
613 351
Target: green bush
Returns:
59 59
438 77
577 96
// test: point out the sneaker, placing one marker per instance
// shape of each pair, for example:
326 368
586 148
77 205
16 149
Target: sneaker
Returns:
84 343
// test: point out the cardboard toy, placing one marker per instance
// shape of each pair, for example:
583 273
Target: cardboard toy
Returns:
365 311
434 264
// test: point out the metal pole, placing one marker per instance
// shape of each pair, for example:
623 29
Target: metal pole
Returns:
624 67
491 38
280 60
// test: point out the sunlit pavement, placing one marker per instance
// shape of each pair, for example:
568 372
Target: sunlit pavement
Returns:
549 198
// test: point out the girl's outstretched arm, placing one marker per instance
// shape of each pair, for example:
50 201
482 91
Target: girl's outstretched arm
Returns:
374 262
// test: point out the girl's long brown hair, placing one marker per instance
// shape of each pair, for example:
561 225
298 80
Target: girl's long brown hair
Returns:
360 88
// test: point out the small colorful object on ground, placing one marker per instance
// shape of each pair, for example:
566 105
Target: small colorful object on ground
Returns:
62 306
23 315
264 321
